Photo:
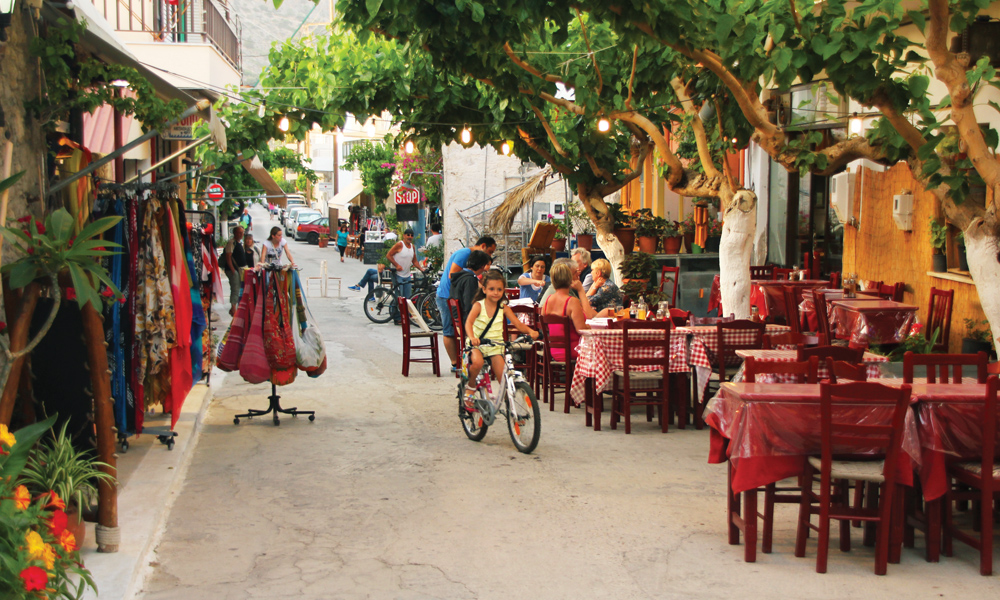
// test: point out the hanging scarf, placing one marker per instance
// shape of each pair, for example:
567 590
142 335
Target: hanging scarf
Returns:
278 342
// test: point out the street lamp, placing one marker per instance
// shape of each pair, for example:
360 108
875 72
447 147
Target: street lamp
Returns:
6 12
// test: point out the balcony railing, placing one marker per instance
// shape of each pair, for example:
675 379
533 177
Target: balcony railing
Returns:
185 21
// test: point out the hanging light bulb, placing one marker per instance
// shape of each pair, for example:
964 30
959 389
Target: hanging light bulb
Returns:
283 124
857 125
370 128
505 148
466 136
604 125
408 147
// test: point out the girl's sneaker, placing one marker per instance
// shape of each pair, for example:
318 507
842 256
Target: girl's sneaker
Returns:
470 405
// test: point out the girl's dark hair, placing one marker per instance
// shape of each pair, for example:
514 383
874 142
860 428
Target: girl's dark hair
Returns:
274 230
488 276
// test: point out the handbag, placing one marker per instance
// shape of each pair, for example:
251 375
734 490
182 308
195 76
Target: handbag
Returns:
310 352
231 347
278 338
253 364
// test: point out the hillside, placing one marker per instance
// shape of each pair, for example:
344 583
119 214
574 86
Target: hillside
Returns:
263 25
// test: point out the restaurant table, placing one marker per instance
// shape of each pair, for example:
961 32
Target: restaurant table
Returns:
871 361
703 344
865 321
807 308
765 294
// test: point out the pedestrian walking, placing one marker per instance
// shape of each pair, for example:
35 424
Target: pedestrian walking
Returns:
233 262
342 241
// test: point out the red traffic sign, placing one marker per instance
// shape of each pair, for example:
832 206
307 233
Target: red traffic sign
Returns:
216 193
407 195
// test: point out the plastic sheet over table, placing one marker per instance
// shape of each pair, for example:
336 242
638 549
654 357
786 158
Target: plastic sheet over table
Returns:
871 361
703 345
865 323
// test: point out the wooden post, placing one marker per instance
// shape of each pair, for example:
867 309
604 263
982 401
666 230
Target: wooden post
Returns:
18 340
100 379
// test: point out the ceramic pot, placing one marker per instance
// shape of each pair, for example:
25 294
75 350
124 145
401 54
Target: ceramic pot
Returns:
689 241
648 244
626 236
672 244
324 242
75 525
940 263
585 241
559 245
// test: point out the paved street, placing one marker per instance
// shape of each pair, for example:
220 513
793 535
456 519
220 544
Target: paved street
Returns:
384 497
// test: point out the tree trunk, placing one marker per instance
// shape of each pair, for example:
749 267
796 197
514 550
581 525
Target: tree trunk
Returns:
984 267
736 249
597 209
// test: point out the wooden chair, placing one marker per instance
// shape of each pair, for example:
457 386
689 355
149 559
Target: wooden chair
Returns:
841 370
822 319
762 272
654 384
939 317
841 353
892 292
680 318
753 334
792 318
803 372
793 339
993 368
780 274
983 478
556 374
458 324
512 293
676 272
834 280
955 361
838 434
531 363
696 321
867 285
405 305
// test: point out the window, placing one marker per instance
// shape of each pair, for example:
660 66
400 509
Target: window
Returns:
349 146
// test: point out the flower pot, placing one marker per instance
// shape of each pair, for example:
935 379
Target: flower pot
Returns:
672 244
585 241
324 242
626 236
712 244
971 346
559 245
648 244
963 259
625 281
75 524
940 263
689 241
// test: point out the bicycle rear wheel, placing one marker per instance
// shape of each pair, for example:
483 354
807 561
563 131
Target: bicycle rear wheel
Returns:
378 304
429 311
524 418
472 422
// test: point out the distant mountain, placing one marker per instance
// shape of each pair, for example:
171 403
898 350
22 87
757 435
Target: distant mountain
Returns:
263 25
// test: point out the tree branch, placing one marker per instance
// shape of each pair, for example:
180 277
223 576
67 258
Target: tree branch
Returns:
906 129
548 131
640 156
675 170
586 39
545 154
524 65
599 171
631 79
700 137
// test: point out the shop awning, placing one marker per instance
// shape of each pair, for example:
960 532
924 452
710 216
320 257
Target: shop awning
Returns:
261 176
347 195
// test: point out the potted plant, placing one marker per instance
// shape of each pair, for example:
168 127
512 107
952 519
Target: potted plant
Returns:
623 228
324 240
714 235
939 238
638 266
963 259
977 337
54 464
582 224
686 229
647 230
672 237
562 234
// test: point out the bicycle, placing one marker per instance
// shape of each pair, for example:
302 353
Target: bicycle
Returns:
524 417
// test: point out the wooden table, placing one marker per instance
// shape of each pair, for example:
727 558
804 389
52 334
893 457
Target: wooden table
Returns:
871 361
871 321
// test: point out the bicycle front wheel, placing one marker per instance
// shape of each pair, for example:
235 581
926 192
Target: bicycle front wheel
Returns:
524 418
472 422
429 311
378 304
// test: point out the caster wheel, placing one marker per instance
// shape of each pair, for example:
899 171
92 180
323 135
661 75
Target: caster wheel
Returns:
236 421
170 445
312 417
277 422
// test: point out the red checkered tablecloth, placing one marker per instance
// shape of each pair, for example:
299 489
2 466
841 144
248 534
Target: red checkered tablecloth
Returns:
601 352
872 362
704 343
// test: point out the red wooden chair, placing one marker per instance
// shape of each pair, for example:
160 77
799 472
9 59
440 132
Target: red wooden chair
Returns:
939 317
780 274
842 370
789 338
458 323
409 336
676 272
792 318
993 368
695 321
530 363
983 478
867 285
842 353
556 374
512 293
751 336
955 361
765 272
839 435
822 318
834 280
892 292
680 318
654 384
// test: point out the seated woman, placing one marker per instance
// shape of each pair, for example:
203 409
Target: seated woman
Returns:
603 294
562 304
534 278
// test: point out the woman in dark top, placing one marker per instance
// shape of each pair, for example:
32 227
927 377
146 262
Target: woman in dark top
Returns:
604 293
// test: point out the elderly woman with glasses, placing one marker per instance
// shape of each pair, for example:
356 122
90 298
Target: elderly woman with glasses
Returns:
603 293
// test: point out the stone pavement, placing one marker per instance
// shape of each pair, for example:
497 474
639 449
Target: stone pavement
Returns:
384 497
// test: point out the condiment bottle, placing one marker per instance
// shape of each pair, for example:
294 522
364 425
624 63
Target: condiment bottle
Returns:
633 310
643 309
755 314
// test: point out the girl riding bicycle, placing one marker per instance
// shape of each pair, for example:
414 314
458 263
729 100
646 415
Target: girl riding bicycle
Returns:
485 321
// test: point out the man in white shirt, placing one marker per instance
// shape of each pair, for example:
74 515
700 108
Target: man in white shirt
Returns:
436 238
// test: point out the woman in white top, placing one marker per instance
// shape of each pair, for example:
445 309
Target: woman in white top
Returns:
273 246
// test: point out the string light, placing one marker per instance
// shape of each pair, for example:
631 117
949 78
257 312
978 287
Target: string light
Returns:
466 136
604 125
408 147
505 148
857 125
283 124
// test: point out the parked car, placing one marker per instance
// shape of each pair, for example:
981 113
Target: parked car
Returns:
291 202
311 231
297 215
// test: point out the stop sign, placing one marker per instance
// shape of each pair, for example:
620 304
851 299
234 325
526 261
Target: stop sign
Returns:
407 195
215 193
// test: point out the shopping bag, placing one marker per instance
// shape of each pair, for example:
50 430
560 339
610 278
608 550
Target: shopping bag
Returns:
233 342
278 340
254 367
310 352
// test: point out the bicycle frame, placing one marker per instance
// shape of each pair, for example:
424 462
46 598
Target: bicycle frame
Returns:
489 408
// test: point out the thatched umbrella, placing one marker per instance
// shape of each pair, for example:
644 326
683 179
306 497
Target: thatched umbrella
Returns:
518 198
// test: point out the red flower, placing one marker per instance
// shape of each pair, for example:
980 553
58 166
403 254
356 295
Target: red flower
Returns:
107 293
24 219
3 325
40 227
70 294
208 229
916 328
35 579
121 300
31 250
57 524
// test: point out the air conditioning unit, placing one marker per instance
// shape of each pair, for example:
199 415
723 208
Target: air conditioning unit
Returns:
902 211
842 195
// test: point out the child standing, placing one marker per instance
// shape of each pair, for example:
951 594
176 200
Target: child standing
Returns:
485 322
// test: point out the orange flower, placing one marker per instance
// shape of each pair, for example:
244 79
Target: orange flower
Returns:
6 437
49 557
22 497
67 540
54 500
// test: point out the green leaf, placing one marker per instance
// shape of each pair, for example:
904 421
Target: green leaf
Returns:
60 225
918 85
97 227
26 438
918 18
373 6
22 273
478 14
724 27
6 183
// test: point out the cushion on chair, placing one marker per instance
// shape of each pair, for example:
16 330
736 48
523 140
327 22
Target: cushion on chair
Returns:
641 375
851 469
976 469
422 334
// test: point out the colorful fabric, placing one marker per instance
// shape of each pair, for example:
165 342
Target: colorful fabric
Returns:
254 366
155 318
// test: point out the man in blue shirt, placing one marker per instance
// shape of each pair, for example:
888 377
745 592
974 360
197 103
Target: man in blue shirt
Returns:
456 262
